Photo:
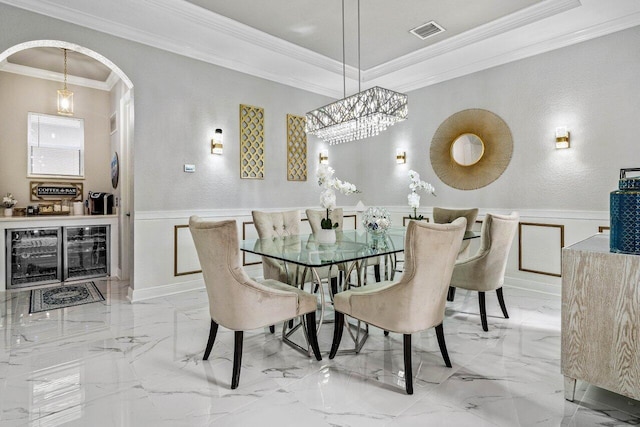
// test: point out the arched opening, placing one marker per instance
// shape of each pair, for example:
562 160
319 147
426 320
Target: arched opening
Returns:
121 142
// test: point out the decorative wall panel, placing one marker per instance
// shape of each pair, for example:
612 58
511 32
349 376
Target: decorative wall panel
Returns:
185 257
296 148
251 142
540 248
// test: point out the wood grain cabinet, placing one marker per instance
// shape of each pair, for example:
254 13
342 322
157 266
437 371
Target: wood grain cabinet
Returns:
600 318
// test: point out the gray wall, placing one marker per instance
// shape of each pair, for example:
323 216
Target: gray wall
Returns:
590 87
179 102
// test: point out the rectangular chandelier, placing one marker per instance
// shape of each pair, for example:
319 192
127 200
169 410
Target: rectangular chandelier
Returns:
358 116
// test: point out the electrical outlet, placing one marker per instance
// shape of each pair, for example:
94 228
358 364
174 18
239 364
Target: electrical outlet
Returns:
189 168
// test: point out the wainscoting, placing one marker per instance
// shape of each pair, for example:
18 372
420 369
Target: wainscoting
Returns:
166 261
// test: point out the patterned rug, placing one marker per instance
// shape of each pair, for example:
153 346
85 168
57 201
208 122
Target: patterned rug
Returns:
64 296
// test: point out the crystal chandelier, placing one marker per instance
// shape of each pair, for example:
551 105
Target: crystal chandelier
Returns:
359 116
65 97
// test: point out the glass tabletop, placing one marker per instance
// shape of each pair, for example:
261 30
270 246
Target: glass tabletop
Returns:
351 245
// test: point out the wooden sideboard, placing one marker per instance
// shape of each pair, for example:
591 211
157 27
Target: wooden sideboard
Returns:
600 318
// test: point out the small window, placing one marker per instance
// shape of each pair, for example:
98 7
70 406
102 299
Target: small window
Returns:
56 146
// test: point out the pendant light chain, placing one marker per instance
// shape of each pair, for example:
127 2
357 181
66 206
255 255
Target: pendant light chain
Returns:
359 79
65 69
344 66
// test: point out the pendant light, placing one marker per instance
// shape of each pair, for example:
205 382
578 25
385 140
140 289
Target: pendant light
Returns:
65 96
358 116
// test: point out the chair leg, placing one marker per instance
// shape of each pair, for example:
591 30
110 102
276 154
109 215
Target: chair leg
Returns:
483 311
451 294
376 272
408 372
212 337
443 345
501 301
237 360
311 333
334 285
337 333
272 329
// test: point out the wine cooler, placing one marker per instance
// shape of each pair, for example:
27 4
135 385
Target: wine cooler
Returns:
34 256
86 252
38 256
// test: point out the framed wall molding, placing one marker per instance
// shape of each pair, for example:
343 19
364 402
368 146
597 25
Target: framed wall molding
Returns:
184 252
51 191
296 148
540 248
251 142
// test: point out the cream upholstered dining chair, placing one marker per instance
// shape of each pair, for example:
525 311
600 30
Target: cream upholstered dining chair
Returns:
484 271
236 301
277 224
443 216
415 302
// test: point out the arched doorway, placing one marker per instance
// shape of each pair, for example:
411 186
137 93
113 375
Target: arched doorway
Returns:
125 114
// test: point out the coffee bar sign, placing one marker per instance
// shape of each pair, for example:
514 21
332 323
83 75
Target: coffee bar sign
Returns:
41 191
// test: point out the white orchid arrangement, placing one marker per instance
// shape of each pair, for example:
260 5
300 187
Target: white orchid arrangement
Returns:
328 196
416 184
8 201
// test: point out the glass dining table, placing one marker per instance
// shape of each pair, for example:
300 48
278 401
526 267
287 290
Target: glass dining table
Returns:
349 255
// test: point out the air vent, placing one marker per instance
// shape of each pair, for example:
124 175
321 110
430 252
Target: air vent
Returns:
427 30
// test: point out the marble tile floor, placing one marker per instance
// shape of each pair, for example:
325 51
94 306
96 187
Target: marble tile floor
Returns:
119 364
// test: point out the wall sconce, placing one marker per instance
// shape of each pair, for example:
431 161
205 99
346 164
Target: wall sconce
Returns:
562 137
216 142
324 157
401 156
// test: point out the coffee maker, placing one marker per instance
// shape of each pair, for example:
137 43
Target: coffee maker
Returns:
100 203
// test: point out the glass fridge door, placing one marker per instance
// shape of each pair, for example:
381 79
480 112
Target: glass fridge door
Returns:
33 256
86 251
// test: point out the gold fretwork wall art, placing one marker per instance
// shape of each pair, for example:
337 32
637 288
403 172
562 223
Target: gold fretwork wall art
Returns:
296 148
251 142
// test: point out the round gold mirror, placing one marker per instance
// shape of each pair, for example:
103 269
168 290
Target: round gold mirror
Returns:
467 149
471 149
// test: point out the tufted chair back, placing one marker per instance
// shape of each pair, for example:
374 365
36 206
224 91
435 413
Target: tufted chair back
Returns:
276 224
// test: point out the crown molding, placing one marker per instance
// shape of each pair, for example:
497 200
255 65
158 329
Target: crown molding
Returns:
518 19
188 30
415 80
39 73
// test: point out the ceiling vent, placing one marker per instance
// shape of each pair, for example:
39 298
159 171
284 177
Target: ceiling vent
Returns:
427 30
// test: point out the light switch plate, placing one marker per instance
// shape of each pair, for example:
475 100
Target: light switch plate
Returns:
189 168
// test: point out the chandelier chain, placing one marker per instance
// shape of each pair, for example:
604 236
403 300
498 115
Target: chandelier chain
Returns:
65 69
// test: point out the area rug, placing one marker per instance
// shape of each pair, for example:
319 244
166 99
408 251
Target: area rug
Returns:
64 296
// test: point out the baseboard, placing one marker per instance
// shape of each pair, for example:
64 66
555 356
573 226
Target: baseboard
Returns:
532 285
136 295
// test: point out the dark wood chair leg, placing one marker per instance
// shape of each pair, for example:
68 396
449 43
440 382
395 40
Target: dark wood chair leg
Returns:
237 360
311 333
212 337
443 345
334 285
272 329
451 294
386 333
483 311
376 272
501 301
337 333
408 372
